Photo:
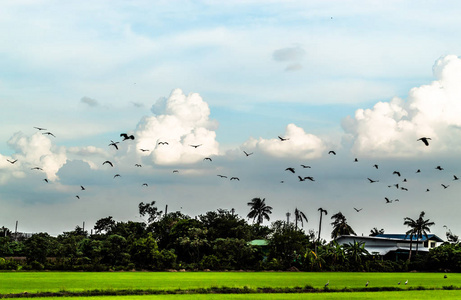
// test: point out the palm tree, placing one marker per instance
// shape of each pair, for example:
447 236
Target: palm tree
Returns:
340 226
322 211
418 228
259 210
299 216
375 231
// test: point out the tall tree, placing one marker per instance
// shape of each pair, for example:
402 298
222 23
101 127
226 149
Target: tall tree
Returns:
259 210
418 228
299 216
340 226
150 210
322 211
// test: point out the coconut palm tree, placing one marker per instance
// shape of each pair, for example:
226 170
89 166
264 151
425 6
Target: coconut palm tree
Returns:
259 210
340 226
418 228
375 231
299 216
322 211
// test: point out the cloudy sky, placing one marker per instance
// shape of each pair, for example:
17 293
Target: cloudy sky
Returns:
365 79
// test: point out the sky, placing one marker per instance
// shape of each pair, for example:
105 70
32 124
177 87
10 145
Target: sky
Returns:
365 79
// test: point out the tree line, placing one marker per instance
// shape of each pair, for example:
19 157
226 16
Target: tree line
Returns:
215 240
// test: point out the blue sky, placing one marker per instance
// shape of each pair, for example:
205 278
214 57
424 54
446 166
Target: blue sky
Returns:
365 78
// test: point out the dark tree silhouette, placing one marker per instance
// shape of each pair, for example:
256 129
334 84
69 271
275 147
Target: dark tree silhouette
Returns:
259 210
375 231
418 228
340 226
299 216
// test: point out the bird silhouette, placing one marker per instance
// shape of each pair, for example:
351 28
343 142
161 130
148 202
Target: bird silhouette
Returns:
292 170
305 167
387 200
439 168
126 136
418 171
397 173
138 165
300 178
12 161
163 143
108 162
144 150
114 144
49 133
117 175
372 181
40 128
175 171
77 196
356 160
36 168
309 178
375 166
46 180
366 284
144 184
358 209
455 177
195 146
424 140
331 152
404 188
428 190
247 154
396 185
222 176
445 186
283 139
328 282
404 180
235 178
82 187
207 158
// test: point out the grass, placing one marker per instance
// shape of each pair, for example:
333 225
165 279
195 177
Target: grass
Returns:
40 282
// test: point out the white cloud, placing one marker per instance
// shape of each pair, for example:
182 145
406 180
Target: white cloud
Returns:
181 121
433 110
37 151
299 144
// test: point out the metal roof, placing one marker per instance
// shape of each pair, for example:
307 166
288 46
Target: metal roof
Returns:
407 237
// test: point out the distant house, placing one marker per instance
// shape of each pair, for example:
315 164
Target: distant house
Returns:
392 246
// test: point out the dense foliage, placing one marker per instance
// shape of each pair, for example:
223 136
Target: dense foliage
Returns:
216 240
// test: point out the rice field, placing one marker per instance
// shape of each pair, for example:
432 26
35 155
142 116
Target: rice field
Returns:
40 282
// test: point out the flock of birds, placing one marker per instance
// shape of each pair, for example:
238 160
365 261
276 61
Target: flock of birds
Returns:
400 185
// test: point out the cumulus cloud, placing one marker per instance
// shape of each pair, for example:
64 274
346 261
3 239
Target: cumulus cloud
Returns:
293 55
38 151
89 101
181 121
433 110
298 144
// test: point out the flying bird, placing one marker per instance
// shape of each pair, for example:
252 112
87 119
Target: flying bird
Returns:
138 165
404 180
292 170
445 186
114 144
247 154
144 150
404 189
36 168
439 168
175 171
375 166
397 173
195 146
235 178
387 200
49 133
455 177
424 140
12 161
418 171
163 143
40 128
207 158
372 181
331 152
46 180
108 162
144 184
358 209
222 176
304 166
356 160
77 197
309 178
283 139
82 187
117 175
126 136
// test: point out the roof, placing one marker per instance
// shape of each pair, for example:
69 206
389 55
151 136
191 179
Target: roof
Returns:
258 243
432 237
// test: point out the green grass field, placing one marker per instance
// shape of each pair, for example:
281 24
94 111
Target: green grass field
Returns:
33 282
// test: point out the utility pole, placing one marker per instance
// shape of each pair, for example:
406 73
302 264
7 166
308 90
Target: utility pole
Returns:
16 232
166 209
288 217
